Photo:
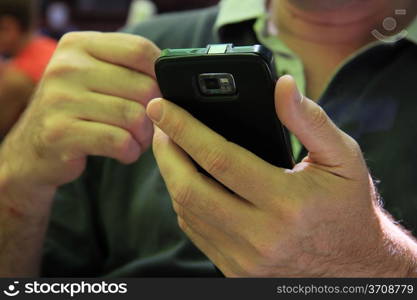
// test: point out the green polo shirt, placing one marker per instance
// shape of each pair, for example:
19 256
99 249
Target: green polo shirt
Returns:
287 62
117 220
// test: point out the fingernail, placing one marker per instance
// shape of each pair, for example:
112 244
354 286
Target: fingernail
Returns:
155 110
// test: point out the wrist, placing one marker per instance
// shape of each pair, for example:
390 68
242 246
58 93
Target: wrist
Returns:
399 247
24 219
385 251
21 199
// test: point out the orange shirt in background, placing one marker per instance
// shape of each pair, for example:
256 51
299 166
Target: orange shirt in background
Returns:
34 58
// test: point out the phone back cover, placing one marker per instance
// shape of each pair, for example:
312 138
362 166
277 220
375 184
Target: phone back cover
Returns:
247 118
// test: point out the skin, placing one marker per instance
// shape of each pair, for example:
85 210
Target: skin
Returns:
324 223
15 87
324 33
96 88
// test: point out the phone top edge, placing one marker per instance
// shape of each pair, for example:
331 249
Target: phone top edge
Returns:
219 50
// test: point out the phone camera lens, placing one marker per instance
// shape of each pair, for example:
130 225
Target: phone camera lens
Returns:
216 84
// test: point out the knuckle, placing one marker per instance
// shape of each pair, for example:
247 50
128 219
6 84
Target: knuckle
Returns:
179 210
291 211
54 98
181 194
56 69
266 244
66 62
176 127
49 133
54 129
132 114
265 250
72 39
145 90
351 149
151 90
137 50
142 53
154 88
319 118
121 143
182 224
39 147
216 161
175 207
120 146
146 132
354 147
113 142
139 46
62 66
142 122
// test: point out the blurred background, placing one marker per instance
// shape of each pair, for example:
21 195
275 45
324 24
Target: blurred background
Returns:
60 16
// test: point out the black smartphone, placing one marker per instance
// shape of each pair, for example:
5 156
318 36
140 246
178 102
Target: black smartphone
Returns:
230 90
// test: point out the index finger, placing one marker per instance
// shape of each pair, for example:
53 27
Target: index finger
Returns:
237 168
127 50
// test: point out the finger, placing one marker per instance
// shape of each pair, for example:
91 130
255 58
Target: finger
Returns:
82 138
211 211
192 192
134 52
105 78
114 111
327 145
230 164
231 256
208 248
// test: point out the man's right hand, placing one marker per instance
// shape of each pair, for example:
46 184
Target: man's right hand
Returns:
91 101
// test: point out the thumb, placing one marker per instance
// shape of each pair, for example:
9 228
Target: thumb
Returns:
327 145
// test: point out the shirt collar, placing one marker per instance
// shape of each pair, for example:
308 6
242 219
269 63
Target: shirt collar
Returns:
412 31
236 11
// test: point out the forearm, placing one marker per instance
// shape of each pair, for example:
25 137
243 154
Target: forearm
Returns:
24 219
390 253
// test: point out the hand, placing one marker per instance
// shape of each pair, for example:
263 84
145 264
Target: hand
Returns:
91 101
319 219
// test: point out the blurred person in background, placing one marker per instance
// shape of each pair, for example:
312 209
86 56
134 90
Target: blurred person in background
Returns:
25 55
